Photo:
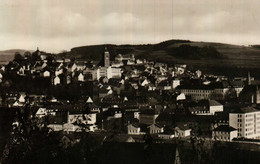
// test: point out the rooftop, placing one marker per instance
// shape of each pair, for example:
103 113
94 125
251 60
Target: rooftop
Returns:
224 128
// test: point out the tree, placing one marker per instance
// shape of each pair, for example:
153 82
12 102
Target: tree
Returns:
18 57
27 54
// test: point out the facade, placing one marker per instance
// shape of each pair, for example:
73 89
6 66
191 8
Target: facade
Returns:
175 83
80 77
133 129
205 93
215 106
224 133
154 128
92 74
246 121
182 131
56 80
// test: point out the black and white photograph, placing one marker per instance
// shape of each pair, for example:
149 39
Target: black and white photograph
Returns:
129 81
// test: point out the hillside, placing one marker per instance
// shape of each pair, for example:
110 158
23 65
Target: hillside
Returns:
177 51
210 57
150 51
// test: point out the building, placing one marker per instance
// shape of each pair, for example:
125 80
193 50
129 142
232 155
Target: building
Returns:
136 129
215 106
175 83
154 128
106 58
246 121
217 91
133 129
224 133
182 131
92 74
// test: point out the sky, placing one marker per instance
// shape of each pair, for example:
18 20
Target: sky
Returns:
57 25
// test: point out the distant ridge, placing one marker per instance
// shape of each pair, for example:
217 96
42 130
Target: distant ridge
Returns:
170 49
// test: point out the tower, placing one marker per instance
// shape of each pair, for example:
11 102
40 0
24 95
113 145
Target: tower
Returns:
248 79
106 58
38 51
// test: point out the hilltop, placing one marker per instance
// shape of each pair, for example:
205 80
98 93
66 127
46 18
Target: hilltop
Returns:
177 51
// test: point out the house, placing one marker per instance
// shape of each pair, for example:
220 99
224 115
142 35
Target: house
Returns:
182 130
181 96
41 112
46 73
198 73
80 77
175 83
224 133
56 80
155 128
21 98
133 129
144 82
136 129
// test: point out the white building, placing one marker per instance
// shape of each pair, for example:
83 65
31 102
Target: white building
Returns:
154 128
56 80
110 72
246 121
215 106
182 131
175 83
80 77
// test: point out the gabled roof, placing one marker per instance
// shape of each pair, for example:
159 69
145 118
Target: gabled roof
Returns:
89 100
159 126
214 103
224 128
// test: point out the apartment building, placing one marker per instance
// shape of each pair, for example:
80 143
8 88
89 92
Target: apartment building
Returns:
246 121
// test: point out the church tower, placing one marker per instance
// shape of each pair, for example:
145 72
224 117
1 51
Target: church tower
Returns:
106 58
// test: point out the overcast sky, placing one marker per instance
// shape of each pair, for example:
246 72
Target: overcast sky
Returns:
55 25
